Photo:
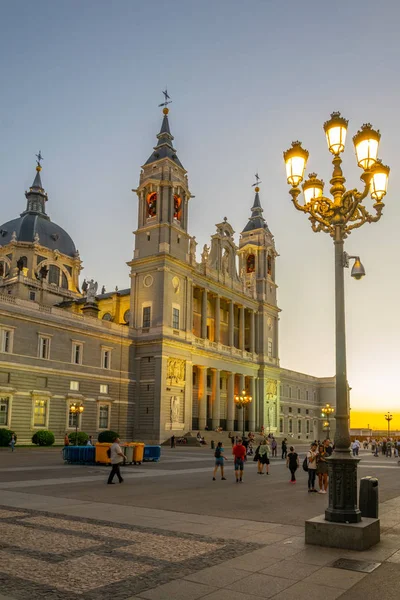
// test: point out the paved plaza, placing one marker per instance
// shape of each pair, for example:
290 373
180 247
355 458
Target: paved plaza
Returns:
170 532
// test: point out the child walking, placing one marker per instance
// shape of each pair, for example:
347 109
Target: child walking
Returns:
219 461
292 463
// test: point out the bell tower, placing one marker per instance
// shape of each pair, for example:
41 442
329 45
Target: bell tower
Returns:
257 254
163 201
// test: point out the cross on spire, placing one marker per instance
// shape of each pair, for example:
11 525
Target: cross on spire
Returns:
258 181
167 99
39 158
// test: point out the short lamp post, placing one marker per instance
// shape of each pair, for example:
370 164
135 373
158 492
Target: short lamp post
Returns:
388 418
338 215
241 401
76 409
326 412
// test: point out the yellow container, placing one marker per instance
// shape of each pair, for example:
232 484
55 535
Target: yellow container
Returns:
101 452
138 452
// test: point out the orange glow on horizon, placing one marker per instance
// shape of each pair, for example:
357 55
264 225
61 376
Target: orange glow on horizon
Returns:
373 420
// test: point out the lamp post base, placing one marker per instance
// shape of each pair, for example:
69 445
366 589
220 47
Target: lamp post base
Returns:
342 489
350 536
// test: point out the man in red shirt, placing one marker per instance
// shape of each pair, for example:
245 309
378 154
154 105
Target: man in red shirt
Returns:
239 452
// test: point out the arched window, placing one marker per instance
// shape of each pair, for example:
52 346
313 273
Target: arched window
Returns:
151 204
177 207
54 275
107 316
64 281
250 263
269 264
4 268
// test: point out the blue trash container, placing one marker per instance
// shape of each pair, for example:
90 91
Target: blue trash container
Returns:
152 453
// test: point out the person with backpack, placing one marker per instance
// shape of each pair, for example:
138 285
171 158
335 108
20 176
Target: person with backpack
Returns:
263 458
219 461
311 466
117 458
292 463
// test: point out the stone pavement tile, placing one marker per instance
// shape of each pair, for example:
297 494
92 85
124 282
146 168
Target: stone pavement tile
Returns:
230 595
310 591
251 562
289 530
376 553
290 569
336 578
174 551
264 586
232 534
41 541
218 576
395 558
257 527
381 584
315 555
76 575
268 538
180 589
282 551
7 514
6 597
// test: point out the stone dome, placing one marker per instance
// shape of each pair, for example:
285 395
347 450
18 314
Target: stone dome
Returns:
34 225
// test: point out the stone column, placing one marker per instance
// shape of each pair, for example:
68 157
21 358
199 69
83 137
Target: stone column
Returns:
252 331
204 315
216 398
231 324
240 410
189 306
252 406
230 404
217 320
241 327
202 396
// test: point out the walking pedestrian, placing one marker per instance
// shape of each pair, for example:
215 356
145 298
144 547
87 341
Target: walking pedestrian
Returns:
284 448
173 441
312 467
219 461
322 469
13 442
117 458
239 452
292 463
274 446
66 440
90 441
263 457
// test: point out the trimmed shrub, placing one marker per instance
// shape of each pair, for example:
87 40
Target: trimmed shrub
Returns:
43 438
107 436
78 440
5 436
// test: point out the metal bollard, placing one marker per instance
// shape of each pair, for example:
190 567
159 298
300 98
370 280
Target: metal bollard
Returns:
212 444
369 500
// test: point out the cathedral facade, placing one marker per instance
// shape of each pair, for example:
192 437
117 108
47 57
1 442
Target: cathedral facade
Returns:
165 356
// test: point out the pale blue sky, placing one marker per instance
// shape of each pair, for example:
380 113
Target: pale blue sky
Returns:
81 81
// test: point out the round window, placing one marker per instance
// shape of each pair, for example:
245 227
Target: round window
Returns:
107 316
127 316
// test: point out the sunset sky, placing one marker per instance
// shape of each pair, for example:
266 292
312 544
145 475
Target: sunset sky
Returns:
81 81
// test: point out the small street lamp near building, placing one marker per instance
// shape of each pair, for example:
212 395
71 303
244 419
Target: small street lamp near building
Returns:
326 411
338 215
388 418
76 409
241 402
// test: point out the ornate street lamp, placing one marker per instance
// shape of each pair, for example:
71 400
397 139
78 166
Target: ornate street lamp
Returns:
326 411
76 409
388 418
241 402
338 215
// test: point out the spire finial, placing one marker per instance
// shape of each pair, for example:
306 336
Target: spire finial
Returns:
167 100
257 183
38 165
